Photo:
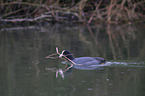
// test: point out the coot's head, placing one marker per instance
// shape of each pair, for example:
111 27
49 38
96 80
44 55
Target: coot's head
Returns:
67 54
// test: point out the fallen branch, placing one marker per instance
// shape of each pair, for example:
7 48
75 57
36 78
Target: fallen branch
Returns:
30 20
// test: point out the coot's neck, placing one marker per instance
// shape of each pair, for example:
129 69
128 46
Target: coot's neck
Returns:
67 54
70 56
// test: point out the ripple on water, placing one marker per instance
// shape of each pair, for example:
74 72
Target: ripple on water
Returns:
90 88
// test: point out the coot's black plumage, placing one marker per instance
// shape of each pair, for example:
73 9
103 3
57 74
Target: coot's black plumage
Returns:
83 61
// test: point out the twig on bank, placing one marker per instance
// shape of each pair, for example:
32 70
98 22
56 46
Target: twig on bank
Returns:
26 3
14 12
94 11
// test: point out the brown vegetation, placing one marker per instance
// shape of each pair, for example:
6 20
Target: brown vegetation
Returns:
85 11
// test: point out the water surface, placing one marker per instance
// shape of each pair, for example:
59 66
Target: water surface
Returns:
25 71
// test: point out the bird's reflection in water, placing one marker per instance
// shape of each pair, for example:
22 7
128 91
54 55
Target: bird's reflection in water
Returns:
61 72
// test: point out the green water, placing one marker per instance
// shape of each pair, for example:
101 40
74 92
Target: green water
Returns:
24 70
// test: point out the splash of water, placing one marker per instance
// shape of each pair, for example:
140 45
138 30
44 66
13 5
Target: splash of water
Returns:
129 64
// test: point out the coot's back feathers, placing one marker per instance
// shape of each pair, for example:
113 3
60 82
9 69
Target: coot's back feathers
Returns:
87 61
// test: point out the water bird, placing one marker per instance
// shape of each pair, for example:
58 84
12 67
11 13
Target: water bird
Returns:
82 62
